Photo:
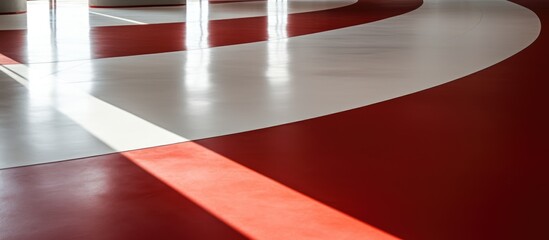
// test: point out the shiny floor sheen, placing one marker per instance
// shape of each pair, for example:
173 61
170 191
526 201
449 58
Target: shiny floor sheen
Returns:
276 119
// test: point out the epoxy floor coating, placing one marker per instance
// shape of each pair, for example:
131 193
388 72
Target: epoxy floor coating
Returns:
276 119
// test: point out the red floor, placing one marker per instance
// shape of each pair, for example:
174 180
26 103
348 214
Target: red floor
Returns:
464 160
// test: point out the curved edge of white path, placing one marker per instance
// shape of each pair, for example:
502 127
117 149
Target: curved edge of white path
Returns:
287 80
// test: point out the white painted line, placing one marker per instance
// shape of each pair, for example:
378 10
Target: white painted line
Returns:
15 76
118 18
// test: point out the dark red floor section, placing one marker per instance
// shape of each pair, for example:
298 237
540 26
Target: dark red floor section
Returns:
466 160
116 41
108 197
99 198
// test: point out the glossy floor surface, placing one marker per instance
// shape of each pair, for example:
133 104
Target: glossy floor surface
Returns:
276 119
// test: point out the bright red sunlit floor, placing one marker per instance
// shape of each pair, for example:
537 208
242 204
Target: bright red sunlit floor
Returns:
276 119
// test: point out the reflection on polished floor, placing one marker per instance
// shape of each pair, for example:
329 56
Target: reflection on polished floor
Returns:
275 119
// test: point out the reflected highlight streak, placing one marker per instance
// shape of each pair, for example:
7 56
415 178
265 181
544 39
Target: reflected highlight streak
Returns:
198 56
277 46
197 20
53 36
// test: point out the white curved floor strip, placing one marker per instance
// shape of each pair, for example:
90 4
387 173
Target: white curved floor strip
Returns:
239 88
77 15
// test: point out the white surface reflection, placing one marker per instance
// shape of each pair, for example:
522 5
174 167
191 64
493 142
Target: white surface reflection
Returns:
198 56
152 15
57 35
197 17
53 37
277 19
277 48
